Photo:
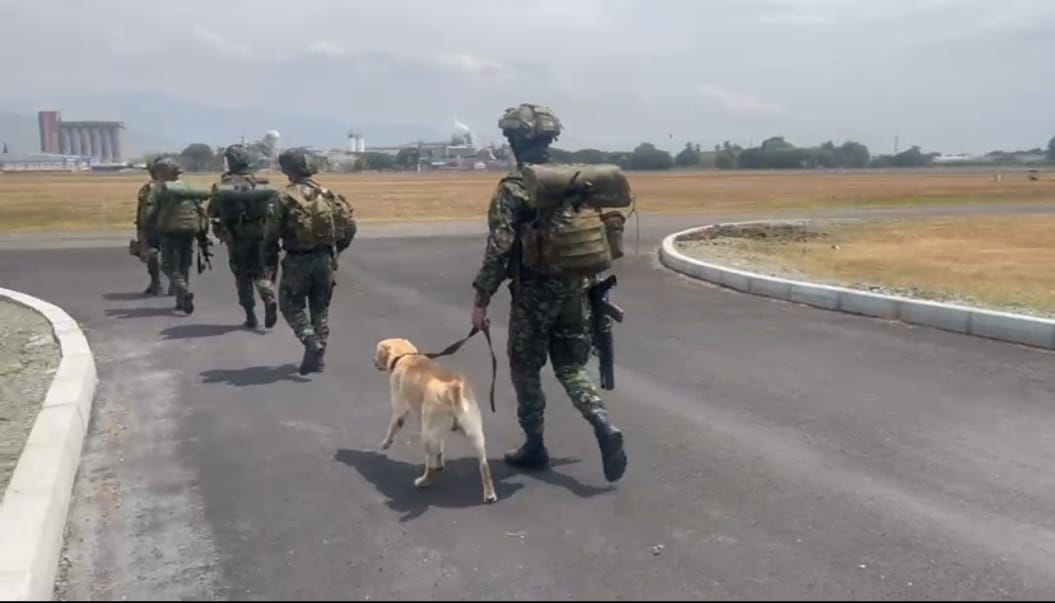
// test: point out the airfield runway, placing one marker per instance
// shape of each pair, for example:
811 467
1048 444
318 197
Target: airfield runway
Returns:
775 450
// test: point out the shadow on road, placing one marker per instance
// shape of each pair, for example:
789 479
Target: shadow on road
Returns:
141 312
254 375
567 482
130 296
457 487
189 331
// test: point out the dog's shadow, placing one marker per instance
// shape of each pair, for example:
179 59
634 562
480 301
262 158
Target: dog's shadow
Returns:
458 486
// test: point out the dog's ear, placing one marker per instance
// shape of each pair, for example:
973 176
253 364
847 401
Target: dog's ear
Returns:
381 357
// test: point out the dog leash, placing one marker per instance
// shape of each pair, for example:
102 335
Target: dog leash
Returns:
457 345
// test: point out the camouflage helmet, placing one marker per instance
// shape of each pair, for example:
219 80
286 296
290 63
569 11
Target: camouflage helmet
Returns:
237 157
530 122
166 168
295 162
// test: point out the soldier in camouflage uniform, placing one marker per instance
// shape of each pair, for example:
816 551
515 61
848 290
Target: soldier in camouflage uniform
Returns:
549 316
308 267
243 240
148 239
177 250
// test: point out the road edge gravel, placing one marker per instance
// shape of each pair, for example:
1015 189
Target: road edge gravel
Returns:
35 505
989 324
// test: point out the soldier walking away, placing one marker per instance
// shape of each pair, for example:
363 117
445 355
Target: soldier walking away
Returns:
178 214
238 208
147 245
549 313
314 225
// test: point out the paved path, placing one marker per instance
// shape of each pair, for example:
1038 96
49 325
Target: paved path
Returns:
775 450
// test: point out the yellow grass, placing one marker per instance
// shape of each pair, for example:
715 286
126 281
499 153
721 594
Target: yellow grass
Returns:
1002 262
34 202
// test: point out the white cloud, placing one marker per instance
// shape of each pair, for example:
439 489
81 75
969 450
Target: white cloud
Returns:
738 102
219 44
473 64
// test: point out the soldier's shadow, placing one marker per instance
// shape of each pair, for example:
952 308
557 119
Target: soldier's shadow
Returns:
127 296
254 375
200 330
139 312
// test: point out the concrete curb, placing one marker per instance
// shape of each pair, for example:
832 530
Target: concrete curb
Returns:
1002 326
34 507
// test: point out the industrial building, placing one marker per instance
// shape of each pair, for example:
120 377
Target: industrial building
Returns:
100 142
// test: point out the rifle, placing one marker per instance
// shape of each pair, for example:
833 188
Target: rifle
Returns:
602 313
203 251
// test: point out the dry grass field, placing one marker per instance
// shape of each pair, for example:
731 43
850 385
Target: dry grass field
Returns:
1001 262
46 202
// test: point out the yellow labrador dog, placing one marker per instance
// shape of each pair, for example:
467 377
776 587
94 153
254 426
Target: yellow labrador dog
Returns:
442 399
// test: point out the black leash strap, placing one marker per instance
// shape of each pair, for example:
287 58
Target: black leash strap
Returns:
457 345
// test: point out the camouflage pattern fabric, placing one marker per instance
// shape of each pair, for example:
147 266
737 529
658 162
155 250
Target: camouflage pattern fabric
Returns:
307 279
247 265
549 317
244 258
177 253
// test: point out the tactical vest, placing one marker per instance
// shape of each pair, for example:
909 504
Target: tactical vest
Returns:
568 235
180 210
243 202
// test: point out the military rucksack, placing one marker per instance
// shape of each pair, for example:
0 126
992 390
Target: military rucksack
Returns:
568 233
180 208
319 217
243 202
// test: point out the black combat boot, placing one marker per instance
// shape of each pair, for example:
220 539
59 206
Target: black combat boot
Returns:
172 289
610 441
322 357
179 301
188 303
270 314
531 455
310 362
154 288
250 319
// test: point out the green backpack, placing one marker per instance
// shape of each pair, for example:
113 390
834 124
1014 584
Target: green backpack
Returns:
243 203
569 234
311 213
180 208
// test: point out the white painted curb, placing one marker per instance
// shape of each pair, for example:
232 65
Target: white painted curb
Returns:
34 507
1003 326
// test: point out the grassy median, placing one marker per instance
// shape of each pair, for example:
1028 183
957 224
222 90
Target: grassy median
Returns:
998 262
70 202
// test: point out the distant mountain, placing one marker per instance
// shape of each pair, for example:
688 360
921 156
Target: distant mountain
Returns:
158 122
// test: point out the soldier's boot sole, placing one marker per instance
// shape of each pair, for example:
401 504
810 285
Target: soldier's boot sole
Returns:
188 303
270 314
309 363
532 455
613 456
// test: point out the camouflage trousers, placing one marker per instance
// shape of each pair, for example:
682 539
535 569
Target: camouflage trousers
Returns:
247 266
152 261
549 318
307 279
177 253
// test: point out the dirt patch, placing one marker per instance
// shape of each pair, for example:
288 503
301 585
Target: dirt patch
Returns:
29 357
996 262
80 202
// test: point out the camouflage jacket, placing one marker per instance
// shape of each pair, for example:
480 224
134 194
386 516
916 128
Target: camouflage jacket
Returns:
144 208
509 201
277 228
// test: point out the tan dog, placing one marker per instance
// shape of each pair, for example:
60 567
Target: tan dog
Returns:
443 400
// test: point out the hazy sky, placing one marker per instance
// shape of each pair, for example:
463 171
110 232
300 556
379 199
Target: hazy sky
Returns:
945 74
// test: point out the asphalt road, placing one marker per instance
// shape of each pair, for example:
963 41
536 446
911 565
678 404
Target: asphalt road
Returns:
775 451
